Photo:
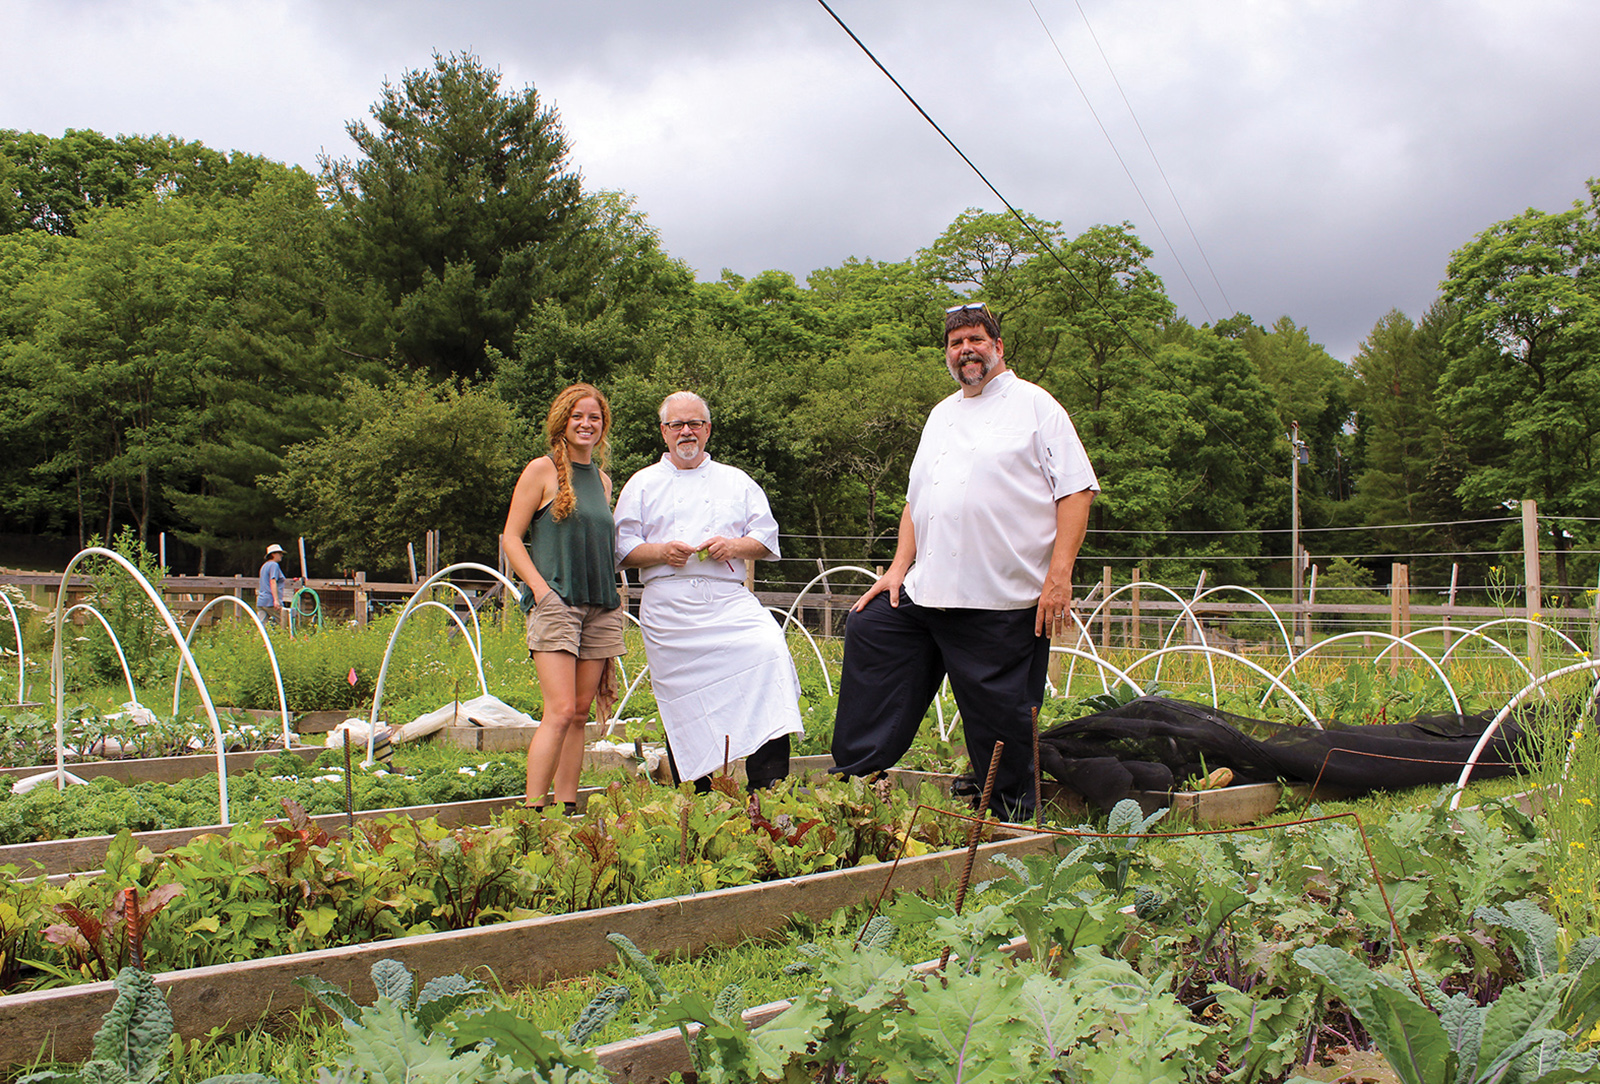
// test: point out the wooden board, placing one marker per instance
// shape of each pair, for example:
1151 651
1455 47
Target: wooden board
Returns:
236 996
161 769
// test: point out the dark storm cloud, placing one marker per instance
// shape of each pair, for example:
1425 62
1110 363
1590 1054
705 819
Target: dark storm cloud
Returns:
1328 155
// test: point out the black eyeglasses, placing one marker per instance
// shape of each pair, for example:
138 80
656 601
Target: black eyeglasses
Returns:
974 306
694 425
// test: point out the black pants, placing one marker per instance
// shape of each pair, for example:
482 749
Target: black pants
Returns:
894 660
762 768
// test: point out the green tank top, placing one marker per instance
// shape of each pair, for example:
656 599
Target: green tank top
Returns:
577 555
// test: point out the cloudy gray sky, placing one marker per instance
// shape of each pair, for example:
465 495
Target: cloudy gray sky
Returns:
1328 154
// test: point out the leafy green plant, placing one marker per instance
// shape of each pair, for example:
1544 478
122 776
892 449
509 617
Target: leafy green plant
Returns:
131 615
437 1033
131 1045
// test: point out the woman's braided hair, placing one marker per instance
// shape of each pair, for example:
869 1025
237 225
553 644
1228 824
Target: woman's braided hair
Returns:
555 428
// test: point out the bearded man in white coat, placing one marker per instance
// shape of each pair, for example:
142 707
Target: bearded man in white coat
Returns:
723 677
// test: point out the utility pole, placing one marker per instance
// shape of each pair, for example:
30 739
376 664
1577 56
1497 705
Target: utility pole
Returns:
1298 454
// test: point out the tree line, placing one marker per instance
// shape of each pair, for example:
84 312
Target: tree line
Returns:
229 350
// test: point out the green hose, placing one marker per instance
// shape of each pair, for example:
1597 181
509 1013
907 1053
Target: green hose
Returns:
306 606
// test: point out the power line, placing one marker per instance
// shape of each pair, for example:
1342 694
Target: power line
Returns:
1170 191
1043 244
1184 271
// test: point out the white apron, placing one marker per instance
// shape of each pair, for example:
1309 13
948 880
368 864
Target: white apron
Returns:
720 668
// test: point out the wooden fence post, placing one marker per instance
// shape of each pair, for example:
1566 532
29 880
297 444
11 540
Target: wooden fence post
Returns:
1455 578
360 603
1138 627
1311 605
827 602
1396 590
1533 587
1594 619
1105 615
1405 602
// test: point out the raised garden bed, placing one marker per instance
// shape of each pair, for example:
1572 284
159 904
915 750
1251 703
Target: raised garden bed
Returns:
1243 804
161 769
539 950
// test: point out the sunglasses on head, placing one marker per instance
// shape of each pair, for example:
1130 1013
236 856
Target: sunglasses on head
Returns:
976 306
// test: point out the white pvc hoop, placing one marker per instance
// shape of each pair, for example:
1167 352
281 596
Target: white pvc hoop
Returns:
1464 634
58 675
1185 606
1576 650
788 618
1394 641
476 636
1103 665
627 686
1288 643
1194 648
116 645
795 605
272 656
1076 653
1504 713
383 670
22 670
412 603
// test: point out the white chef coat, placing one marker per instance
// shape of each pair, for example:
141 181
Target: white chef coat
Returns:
720 667
983 491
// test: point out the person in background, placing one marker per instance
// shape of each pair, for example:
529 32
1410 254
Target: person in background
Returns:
271 596
574 613
997 506
721 670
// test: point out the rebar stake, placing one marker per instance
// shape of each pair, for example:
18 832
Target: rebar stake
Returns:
972 839
349 796
1038 795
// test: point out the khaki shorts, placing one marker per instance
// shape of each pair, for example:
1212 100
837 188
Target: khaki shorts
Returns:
588 632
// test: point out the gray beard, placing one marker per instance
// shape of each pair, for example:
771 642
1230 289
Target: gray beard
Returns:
955 370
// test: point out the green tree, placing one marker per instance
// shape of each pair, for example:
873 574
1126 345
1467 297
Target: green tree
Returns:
1096 304
857 426
400 460
870 306
987 257
1404 447
459 215
1312 387
164 357
50 184
1523 388
1182 440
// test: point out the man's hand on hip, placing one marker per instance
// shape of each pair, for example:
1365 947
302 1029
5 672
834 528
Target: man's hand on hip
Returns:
891 581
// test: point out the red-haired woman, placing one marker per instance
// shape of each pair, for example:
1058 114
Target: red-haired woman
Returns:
574 612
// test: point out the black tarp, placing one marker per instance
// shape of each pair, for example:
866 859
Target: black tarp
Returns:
1152 742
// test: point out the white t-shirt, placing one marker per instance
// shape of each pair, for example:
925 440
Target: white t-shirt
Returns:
983 492
663 503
